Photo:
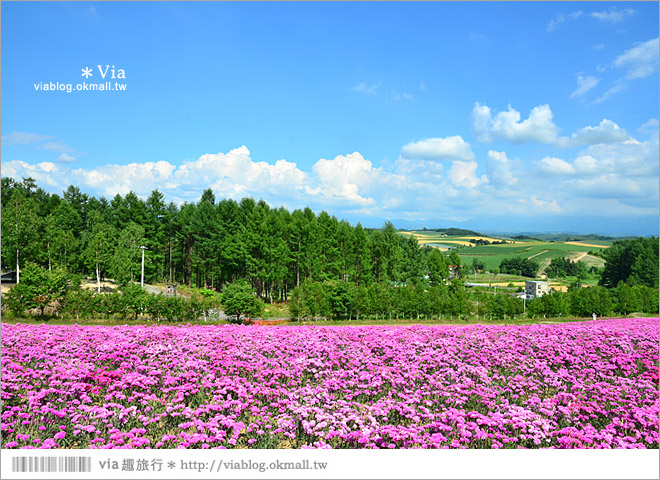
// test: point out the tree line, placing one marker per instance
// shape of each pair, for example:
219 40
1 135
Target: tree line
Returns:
343 301
338 300
325 267
204 244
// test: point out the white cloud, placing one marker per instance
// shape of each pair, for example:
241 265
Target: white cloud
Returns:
612 15
500 169
342 178
58 147
640 61
235 175
23 138
482 122
599 46
606 132
556 166
111 179
608 175
44 173
651 125
584 85
66 158
545 206
620 87
611 173
561 18
364 87
463 174
538 127
448 148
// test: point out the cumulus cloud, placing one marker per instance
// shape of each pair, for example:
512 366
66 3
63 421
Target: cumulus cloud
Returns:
606 132
111 180
45 173
538 127
341 179
556 166
614 172
463 174
235 174
584 85
448 148
500 169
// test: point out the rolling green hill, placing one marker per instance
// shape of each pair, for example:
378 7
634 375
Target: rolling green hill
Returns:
520 246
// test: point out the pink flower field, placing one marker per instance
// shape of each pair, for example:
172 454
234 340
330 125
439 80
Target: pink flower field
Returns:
574 385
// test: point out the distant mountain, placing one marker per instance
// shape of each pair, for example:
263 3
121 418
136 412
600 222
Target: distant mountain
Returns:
510 225
453 232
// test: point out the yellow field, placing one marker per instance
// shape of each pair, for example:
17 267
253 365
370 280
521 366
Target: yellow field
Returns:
506 284
580 244
457 242
490 239
423 239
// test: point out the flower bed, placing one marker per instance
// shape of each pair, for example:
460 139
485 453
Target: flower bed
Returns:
576 385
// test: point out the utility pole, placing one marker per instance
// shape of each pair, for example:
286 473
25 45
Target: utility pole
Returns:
143 248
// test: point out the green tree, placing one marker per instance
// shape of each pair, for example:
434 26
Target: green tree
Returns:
632 261
585 301
239 299
99 246
39 289
20 231
126 262
340 299
519 266
437 266
155 232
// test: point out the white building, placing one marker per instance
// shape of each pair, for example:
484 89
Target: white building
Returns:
536 288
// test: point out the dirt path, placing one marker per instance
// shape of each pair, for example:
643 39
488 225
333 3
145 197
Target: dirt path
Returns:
578 256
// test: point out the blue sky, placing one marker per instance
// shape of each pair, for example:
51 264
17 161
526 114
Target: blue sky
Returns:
539 116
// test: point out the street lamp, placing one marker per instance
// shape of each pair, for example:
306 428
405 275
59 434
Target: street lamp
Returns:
143 248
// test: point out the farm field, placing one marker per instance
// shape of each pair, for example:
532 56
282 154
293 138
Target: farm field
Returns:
572 385
491 255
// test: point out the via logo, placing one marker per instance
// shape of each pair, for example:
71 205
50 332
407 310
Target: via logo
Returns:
119 73
105 71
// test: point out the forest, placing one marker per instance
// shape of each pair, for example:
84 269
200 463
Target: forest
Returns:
205 244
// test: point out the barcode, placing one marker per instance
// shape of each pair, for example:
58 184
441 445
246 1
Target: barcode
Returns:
51 464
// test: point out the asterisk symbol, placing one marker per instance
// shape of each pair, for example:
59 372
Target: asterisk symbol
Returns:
171 465
87 72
